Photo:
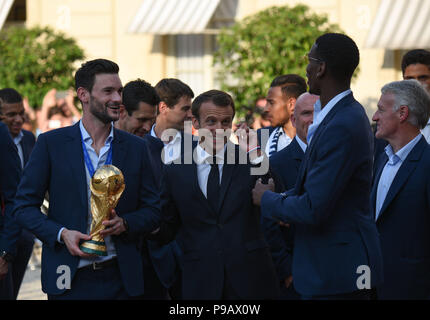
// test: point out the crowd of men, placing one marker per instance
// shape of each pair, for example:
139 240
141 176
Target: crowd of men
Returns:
316 206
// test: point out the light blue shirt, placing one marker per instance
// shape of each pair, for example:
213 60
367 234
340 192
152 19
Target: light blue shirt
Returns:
97 161
390 170
320 114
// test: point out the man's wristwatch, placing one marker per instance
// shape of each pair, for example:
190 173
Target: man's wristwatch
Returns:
6 256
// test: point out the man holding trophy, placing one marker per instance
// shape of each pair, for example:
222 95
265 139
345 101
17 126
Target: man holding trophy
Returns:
102 197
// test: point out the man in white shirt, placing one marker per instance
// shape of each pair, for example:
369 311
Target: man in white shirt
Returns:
400 198
416 65
173 110
281 99
208 203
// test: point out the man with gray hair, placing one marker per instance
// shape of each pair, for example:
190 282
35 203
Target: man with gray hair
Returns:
400 197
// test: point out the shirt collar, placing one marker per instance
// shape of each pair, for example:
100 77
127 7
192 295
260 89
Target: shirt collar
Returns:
402 154
320 114
18 138
173 141
87 138
203 156
301 143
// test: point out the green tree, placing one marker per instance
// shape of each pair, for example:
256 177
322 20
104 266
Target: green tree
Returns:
35 60
253 51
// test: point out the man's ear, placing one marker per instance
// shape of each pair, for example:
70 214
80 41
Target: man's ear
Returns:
83 95
162 107
403 113
122 112
196 123
291 104
322 69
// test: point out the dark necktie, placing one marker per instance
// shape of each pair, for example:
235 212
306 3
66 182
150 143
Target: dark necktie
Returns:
213 186
274 145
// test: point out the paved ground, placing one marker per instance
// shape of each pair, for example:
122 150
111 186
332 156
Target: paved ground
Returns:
31 288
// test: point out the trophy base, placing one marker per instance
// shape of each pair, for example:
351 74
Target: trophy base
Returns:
94 247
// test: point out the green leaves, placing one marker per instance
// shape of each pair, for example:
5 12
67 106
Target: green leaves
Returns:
270 43
35 60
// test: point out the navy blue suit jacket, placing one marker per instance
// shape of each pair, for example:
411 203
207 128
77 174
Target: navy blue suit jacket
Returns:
285 164
404 227
27 144
164 258
12 230
335 233
218 244
10 173
57 165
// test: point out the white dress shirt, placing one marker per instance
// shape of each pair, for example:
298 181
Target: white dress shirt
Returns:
203 161
283 141
395 161
97 161
171 150
320 114
17 140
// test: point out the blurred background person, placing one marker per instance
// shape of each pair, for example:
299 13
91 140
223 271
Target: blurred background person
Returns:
58 111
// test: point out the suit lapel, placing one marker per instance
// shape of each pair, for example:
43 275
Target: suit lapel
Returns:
75 157
118 150
404 173
382 160
314 142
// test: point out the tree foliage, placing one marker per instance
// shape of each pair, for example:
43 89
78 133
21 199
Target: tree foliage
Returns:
35 60
273 42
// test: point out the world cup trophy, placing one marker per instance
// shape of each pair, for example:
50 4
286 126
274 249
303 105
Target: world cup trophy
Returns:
107 186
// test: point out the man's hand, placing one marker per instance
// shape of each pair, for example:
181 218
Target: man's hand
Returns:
260 188
71 239
3 268
288 281
114 226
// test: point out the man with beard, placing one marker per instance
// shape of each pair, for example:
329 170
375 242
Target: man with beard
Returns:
63 163
137 115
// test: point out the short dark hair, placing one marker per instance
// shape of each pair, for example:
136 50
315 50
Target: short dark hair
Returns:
219 98
340 54
138 91
292 85
415 56
171 90
85 76
9 95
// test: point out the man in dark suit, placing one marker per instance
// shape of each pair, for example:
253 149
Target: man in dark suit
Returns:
137 116
209 203
12 114
285 165
170 133
10 172
337 252
400 198
63 163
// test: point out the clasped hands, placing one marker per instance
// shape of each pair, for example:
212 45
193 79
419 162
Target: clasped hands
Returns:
259 189
71 238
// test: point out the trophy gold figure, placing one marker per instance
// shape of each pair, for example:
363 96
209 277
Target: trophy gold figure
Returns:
106 186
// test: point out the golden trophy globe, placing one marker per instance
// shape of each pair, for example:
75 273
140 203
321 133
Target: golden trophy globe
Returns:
106 186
